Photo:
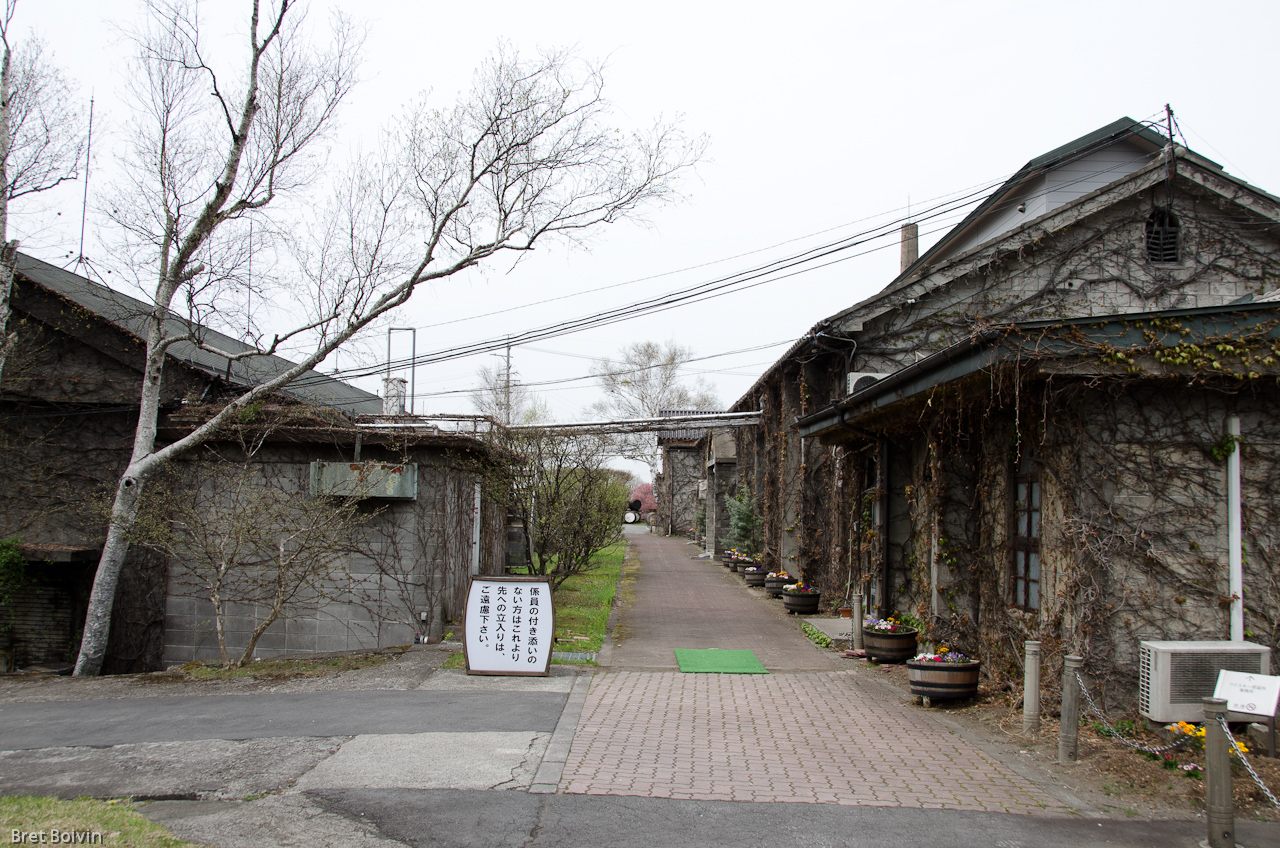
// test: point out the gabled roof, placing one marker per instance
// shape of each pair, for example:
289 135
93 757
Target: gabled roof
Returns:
1125 130
129 314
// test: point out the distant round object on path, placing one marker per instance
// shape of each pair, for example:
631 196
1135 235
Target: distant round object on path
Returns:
631 517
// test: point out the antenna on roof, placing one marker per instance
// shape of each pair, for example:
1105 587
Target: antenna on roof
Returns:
84 206
1171 162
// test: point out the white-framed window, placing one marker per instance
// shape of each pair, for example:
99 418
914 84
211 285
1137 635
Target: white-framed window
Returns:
1025 583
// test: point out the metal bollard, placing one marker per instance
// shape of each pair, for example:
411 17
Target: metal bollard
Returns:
856 624
1031 690
1218 808
1069 730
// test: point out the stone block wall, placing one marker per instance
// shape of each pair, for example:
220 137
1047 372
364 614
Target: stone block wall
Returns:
682 470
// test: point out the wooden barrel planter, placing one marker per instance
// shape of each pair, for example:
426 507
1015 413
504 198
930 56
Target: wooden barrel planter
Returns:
942 680
802 603
755 578
889 647
773 586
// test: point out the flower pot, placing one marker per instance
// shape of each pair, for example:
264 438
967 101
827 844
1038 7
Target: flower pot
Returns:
773 585
846 612
942 680
755 578
801 603
889 647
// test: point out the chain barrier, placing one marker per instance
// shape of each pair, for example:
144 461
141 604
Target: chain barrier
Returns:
1235 746
1116 734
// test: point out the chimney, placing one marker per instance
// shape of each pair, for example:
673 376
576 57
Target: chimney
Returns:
910 245
393 392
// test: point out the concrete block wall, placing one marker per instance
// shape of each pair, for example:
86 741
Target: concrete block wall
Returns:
190 631
424 544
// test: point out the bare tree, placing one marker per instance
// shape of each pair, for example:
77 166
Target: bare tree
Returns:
41 141
643 382
529 155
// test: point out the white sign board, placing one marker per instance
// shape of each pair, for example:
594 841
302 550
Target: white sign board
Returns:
1255 694
510 626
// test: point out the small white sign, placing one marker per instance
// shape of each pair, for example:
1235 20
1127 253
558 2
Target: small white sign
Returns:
1255 694
510 626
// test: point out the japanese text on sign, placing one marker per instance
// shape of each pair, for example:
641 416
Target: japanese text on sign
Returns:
1255 694
508 626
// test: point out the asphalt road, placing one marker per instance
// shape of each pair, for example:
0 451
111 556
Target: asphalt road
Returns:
477 819
122 721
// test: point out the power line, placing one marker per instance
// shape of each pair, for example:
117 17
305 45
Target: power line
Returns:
720 286
562 380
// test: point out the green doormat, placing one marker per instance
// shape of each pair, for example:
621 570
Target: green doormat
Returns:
716 661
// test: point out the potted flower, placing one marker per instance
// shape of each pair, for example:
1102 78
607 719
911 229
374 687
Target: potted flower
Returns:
943 673
774 581
800 598
890 640
755 575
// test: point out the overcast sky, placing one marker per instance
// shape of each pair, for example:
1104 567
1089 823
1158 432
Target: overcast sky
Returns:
824 119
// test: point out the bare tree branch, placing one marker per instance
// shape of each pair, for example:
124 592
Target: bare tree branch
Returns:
528 156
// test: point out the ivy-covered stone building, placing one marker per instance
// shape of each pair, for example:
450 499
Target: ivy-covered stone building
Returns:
1028 434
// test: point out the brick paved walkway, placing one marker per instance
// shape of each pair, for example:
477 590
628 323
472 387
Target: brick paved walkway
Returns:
811 736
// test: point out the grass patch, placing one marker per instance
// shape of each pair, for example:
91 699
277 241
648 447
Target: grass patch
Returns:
815 635
287 668
583 602
457 659
116 823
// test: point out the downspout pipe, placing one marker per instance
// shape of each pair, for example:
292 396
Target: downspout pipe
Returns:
1235 532
857 431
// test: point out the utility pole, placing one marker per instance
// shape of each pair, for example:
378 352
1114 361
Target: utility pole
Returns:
507 404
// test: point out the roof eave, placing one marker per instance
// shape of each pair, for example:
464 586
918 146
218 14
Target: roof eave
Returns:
983 350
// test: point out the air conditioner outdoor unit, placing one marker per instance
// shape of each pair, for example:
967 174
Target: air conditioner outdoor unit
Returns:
1173 677
859 380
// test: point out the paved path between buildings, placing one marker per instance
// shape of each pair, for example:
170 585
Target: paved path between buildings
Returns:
694 603
813 731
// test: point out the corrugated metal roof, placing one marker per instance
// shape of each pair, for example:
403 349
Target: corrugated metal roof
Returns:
130 315
688 434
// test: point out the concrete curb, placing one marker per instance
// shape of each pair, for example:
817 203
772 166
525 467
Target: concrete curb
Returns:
551 769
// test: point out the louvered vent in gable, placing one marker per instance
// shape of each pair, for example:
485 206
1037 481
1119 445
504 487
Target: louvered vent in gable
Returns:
1162 237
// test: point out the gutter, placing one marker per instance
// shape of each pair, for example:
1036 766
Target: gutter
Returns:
970 359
